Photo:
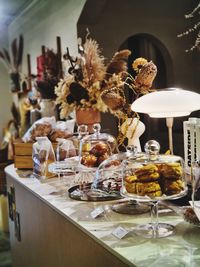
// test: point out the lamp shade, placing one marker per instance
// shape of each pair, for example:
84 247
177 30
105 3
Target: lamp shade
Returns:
172 102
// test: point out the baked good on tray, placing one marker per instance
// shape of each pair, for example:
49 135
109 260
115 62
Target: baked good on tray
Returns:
155 180
94 155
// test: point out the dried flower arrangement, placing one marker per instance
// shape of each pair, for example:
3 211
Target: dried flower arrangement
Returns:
87 77
13 62
195 12
91 83
118 104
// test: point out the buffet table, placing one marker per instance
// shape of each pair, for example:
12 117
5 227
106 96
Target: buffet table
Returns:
51 229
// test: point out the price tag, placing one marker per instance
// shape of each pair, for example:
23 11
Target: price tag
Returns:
120 232
97 212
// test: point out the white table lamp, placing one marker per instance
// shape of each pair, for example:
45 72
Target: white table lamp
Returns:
168 103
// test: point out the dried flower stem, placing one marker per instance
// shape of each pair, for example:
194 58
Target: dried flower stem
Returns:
195 12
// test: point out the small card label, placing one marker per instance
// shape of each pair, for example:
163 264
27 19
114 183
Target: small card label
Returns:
120 232
97 212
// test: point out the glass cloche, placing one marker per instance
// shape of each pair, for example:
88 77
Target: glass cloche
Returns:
96 148
152 178
108 176
108 180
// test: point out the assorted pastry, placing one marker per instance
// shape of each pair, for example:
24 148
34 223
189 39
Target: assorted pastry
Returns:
112 184
40 129
94 155
46 129
155 180
58 133
66 148
48 126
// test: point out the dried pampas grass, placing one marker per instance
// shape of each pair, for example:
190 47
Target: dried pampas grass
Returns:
94 68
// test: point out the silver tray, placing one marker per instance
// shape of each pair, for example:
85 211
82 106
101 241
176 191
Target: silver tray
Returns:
89 194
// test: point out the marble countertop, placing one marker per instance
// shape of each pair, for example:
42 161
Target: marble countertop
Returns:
180 249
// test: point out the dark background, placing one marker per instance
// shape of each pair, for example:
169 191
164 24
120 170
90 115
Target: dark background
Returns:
149 29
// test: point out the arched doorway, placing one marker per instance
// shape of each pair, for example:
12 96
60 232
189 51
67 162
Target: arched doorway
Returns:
149 47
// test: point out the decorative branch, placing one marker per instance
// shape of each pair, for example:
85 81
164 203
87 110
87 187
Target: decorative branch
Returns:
195 12
13 61
14 52
20 51
7 56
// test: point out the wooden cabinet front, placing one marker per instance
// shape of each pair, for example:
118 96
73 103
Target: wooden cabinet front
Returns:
49 239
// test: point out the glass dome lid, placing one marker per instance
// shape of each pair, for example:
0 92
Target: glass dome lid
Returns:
96 148
153 176
106 180
108 176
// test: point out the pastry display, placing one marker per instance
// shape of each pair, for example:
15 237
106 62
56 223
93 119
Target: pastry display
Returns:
58 133
144 181
147 173
95 154
172 187
89 160
66 148
170 170
40 129
112 184
46 129
97 147
135 186
171 174
155 180
153 177
113 163
48 126
106 180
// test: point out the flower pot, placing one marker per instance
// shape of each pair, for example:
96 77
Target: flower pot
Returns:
88 116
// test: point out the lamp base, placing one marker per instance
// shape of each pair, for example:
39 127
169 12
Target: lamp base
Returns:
169 123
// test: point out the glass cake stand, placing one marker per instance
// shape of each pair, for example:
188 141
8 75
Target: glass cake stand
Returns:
152 179
155 229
